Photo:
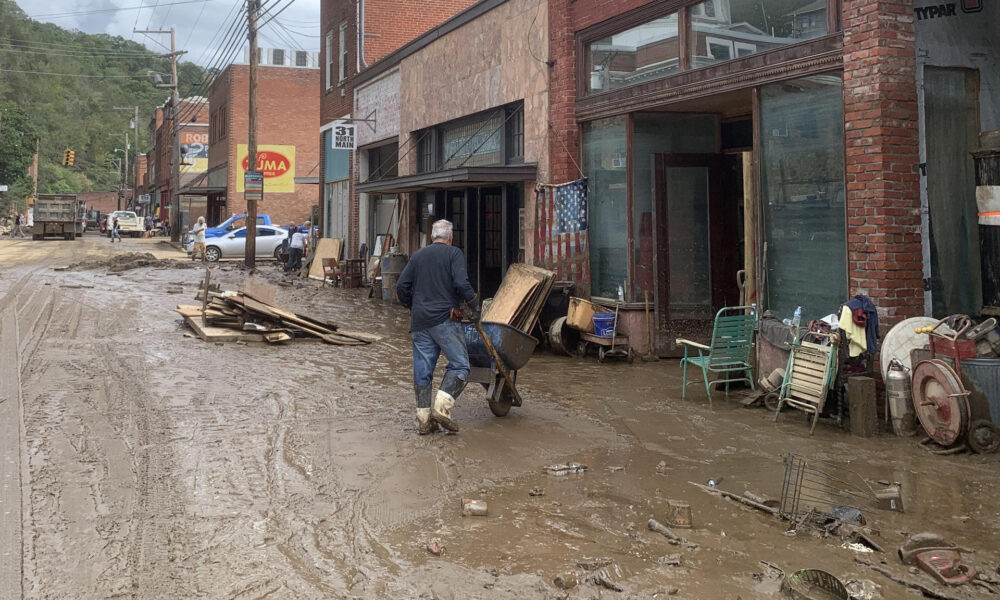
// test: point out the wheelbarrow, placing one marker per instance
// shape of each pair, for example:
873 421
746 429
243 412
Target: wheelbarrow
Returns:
496 352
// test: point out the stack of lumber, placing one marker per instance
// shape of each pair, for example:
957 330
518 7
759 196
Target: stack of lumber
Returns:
240 317
521 297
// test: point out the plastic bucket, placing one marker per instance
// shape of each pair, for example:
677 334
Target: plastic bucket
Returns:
604 324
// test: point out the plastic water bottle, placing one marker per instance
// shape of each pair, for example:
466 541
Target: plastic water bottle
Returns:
621 293
797 317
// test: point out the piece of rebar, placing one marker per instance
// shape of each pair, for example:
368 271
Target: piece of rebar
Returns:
742 500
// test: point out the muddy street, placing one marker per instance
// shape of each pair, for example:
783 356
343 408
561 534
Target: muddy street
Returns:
138 462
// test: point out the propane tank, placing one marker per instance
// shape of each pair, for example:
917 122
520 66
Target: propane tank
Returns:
897 388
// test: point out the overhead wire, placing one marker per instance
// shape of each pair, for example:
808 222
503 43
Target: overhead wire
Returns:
78 13
74 74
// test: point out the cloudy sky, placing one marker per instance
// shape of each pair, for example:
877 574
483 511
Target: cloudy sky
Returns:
199 24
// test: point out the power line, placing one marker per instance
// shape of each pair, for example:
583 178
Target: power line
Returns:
109 10
57 52
75 74
34 44
195 26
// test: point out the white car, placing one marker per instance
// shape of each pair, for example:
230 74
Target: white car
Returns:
233 244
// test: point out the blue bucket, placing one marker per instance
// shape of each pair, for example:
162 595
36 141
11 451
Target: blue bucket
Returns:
604 324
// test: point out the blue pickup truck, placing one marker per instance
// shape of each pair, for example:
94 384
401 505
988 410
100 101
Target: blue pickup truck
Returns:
231 224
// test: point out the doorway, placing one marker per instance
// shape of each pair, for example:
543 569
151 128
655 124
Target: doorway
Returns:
696 248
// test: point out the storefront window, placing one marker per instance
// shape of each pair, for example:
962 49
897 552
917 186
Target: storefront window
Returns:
649 51
723 30
604 158
802 195
660 133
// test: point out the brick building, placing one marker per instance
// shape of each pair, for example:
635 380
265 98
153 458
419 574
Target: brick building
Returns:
193 116
386 25
779 138
288 152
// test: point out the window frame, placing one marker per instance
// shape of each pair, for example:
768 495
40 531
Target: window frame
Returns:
661 8
329 59
342 53
275 52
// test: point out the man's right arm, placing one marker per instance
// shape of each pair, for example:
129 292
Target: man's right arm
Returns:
404 286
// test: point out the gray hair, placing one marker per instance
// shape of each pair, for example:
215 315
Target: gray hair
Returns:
200 219
441 230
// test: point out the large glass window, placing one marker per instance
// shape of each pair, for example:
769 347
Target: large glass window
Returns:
473 143
722 30
649 51
604 159
802 194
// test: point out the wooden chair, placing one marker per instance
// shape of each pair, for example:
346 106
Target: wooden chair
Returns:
729 352
331 271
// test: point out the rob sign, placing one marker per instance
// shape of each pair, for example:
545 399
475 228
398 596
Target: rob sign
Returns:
345 136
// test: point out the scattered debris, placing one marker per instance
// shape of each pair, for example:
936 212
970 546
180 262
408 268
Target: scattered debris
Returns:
127 261
565 469
474 508
741 499
670 560
672 537
567 580
434 547
76 286
857 547
680 514
910 582
940 558
175 290
536 491
863 589
223 317
661 467
815 584
606 577
61 268
715 481
594 564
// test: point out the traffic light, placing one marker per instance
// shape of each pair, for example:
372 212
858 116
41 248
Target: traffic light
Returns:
68 157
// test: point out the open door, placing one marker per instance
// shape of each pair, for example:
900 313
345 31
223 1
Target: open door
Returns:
692 254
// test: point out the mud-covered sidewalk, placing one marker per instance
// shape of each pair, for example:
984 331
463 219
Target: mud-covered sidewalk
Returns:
139 462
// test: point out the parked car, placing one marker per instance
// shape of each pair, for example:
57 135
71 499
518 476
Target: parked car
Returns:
233 244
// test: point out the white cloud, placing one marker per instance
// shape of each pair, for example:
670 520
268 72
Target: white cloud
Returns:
200 28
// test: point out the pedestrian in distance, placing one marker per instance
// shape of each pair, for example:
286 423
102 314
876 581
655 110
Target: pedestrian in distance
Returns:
296 250
434 285
18 224
149 226
199 239
115 232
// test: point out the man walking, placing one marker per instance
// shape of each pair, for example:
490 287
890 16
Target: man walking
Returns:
199 239
115 232
433 285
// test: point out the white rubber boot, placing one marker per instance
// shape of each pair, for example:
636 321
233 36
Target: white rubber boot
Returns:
441 410
425 424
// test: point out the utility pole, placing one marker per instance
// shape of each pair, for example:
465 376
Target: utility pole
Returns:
135 163
250 258
175 150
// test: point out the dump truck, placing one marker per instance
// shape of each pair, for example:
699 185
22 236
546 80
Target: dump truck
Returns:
57 215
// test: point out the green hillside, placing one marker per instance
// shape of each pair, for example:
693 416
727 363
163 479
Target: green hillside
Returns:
73 107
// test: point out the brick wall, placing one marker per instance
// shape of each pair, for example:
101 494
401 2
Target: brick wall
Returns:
288 110
396 22
881 143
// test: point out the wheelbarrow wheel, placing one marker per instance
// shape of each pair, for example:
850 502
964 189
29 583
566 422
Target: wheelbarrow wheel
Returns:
501 399
500 407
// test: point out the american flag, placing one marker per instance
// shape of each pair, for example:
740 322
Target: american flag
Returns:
561 229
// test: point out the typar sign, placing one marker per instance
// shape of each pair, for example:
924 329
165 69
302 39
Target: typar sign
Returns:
345 136
275 163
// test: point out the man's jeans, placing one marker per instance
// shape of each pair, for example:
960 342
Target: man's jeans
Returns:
448 337
294 259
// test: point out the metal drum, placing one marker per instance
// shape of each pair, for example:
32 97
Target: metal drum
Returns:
562 338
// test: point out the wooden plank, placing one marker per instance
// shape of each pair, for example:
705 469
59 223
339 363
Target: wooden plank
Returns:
188 310
862 400
220 334
260 289
325 248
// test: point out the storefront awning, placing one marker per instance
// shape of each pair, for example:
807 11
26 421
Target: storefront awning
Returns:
452 178
196 188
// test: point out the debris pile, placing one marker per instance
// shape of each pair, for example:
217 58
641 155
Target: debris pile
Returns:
247 317
127 261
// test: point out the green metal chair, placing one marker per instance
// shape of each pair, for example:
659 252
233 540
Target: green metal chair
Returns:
729 352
